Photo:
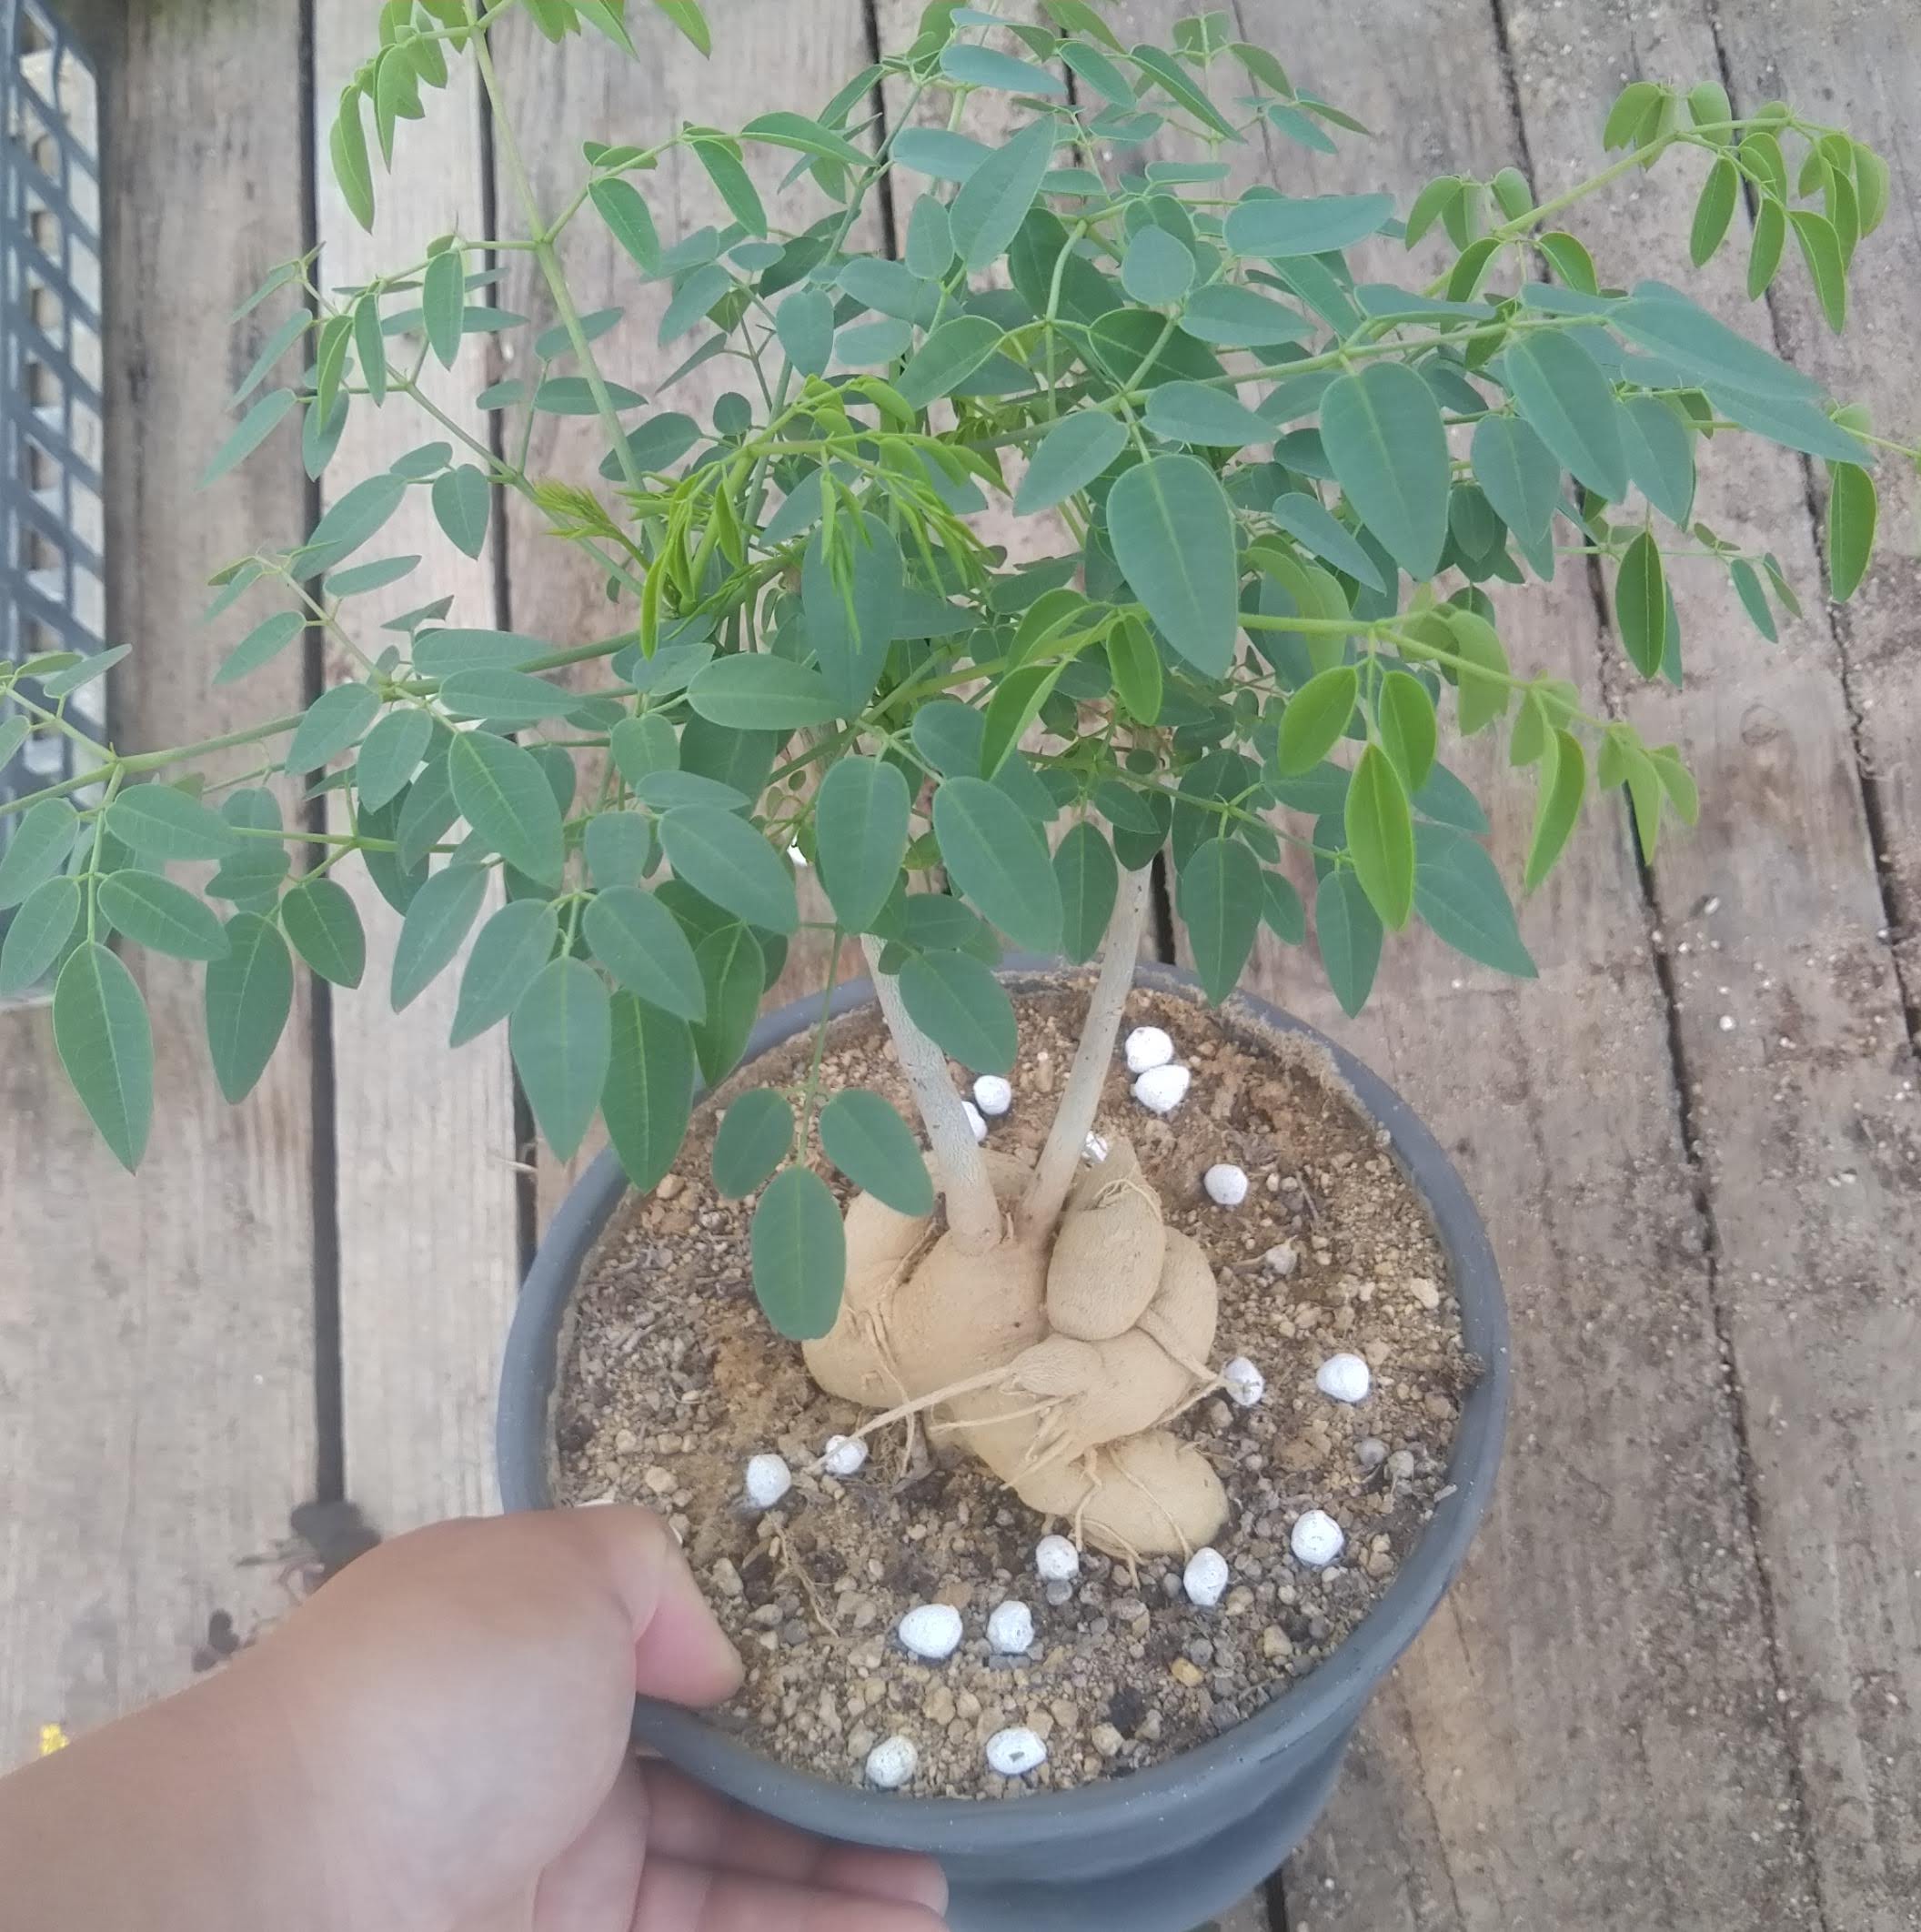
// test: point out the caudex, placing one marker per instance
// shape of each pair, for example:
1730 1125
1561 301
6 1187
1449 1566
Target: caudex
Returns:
1277 492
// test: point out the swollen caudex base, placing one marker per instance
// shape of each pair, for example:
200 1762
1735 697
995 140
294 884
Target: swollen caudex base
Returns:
1058 1362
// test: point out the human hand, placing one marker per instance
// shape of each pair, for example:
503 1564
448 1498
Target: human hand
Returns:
437 1742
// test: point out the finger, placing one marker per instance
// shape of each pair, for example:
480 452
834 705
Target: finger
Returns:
689 1823
680 1653
676 1897
595 1880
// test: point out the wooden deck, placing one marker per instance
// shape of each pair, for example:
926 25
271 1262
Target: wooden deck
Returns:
1678 1685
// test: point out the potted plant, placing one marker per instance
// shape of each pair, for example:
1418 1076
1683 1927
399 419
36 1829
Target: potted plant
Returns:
1287 490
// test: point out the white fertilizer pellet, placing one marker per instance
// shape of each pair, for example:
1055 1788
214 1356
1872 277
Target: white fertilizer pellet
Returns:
843 1455
892 1763
1345 1377
1205 1578
1147 1047
768 1480
1011 1629
1015 1753
992 1095
1162 1089
1245 1383
931 1631
1226 1185
1316 1539
1056 1560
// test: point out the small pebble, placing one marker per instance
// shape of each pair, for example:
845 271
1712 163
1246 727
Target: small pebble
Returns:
1148 1047
1371 1451
768 1480
1205 1578
1106 1740
1280 1259
992 1095
931 1631
892 1763
976 1120
1245 1383
1010 1628
1400 1464
1059 1594
1056 1560
1162 1089
1346 1377
1316 1539
1094 1148
843 1455
1226 1185
1014 1753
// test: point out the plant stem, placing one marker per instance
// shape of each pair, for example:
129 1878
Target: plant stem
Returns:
1081 1098
112 764
973 1215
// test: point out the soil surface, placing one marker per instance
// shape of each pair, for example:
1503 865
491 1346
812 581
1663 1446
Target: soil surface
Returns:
672 1380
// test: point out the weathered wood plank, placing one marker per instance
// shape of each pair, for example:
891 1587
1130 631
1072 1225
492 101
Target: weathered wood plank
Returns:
1585 1733
428 1216
768 53
156 1416
1791 1024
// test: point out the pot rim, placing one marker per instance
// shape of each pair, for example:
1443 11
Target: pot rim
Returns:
1327 1700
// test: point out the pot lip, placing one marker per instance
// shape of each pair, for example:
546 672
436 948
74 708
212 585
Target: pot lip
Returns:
1327 1700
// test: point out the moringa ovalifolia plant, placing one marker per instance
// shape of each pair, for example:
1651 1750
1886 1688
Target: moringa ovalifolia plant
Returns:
1287 492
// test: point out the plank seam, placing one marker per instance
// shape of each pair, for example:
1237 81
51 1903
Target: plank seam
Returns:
1873 809
889 221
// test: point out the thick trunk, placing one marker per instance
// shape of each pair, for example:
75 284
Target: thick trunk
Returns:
973 1216
1081 1098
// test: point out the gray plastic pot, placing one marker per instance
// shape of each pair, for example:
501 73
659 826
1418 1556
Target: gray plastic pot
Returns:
1163 1849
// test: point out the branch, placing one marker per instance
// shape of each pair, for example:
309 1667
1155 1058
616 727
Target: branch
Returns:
1081 1098
973 1215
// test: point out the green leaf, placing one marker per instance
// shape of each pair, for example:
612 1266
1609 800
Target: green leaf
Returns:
751 691
805 325
389 755
1157 268
321 920
987 213
507 955
1851 513
1068 457
461 499
1754 598
642 945
249 994
735 189
1381 836
800 1254
860 831
869 1141
1089 880
1563 785
1168 74
1305 519
442 912
995 855
723 858
1519 477
443 300
1382 431
158 822
1405 718
1220 898
14 733
687 15
253 429
956 1000
561 1039
1566 399
357 579
1763 255
620 205
947 359
1458 892
650 1089
1826 264
850 623
1641 604
618 845
795 131
1349 933
1282 910
1191 412
1698 346
1135 665
347 146
1714 210
39 846
106 1044
358 515
756 1134
37 932
1660 455
1275 227
1173 537
156 912
574 395
1315 719
974 66
734 973
1793 424
644 745
501 791
334 721
1233 317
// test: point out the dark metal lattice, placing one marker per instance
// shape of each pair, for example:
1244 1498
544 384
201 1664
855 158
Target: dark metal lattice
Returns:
53 583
